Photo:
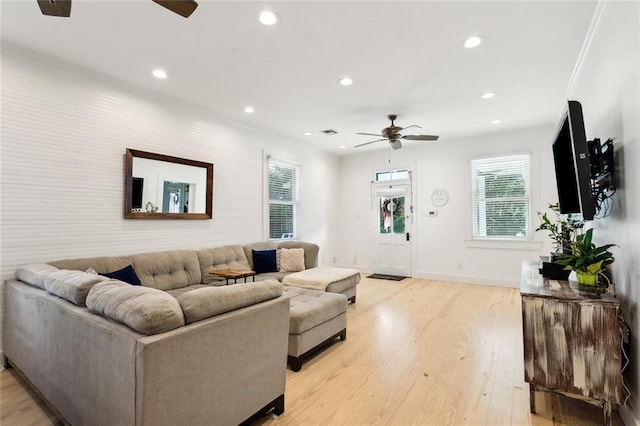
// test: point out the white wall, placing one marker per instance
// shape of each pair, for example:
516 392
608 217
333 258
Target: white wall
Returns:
608 86
440 246
64 135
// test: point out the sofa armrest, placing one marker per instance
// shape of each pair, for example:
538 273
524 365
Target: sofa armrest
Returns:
224 368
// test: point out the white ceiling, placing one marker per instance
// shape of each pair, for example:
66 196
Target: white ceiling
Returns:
406 58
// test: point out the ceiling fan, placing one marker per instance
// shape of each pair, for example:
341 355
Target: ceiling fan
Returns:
393 135
62 8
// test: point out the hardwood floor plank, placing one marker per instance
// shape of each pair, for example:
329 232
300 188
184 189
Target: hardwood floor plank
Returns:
418 352
19 404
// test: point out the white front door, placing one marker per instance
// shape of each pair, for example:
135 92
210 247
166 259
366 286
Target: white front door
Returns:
393 215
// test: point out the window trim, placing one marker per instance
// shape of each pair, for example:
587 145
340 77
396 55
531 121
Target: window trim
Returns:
479 240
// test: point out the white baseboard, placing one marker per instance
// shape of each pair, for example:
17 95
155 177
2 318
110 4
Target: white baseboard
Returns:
468 279
2 360
364 269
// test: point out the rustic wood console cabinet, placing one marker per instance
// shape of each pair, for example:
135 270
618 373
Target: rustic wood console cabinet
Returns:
572 341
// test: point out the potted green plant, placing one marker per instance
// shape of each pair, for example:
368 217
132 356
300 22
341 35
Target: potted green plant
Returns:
562 229
586 259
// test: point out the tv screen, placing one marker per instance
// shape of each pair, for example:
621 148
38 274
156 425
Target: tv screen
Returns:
572 166
136 193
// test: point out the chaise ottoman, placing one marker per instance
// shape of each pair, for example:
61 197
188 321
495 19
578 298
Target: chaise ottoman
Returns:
326 278
316 318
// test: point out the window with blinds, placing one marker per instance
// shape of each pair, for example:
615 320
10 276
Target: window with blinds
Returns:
501 200
283 199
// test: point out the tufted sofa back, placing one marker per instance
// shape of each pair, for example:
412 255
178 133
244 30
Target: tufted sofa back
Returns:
225 257
168 270
101 265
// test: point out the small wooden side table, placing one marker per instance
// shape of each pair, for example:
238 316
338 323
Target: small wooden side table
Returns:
234 274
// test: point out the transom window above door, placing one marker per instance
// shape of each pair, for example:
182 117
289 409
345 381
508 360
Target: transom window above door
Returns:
389 175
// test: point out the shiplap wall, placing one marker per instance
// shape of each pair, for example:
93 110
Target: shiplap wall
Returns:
64 135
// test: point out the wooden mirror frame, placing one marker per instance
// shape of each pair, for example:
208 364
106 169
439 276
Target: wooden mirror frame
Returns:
128 186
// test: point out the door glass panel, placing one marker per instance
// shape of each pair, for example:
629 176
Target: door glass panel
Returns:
398 215
391 215
175 197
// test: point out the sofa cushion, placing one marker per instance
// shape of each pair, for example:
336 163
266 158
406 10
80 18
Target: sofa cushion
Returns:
35 274
291 260
71 285
168 269
178 291
210 301
264 261
262 245
144 309
311 251
126 274
225 257
273 275
310 308
99 264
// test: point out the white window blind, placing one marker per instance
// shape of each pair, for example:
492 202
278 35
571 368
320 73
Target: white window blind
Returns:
501 197
283 199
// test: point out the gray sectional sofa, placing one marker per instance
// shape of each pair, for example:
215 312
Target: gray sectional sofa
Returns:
180 347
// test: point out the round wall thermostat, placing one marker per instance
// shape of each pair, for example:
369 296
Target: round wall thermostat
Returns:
439 197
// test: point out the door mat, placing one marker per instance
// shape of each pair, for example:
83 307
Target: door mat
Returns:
387 277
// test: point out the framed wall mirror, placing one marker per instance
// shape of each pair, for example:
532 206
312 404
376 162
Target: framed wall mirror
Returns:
159 186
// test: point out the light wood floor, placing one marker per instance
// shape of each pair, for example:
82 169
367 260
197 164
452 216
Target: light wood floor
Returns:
417 352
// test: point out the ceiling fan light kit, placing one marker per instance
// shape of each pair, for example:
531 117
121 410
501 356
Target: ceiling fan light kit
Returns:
393 135
62 8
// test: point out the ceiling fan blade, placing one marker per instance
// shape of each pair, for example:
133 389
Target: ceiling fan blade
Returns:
182 7
368 134
367 143
420 137
413 125
60 8
396 144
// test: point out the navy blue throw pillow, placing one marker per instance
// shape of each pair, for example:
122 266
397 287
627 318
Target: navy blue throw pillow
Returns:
126 274
264 261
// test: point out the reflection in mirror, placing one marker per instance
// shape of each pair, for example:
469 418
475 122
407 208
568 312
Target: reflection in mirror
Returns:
163 187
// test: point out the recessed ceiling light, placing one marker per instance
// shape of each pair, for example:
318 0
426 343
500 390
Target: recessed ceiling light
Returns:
472 42
346 81
342 147
268 17
248 110
159 73
488 95
496 121
307 133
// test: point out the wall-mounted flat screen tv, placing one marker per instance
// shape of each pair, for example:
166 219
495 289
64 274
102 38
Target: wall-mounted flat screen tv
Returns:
571 160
